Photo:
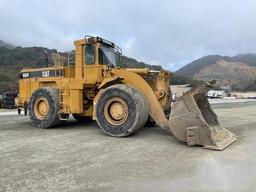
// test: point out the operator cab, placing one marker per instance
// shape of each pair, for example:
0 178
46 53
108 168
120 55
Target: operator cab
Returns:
101 51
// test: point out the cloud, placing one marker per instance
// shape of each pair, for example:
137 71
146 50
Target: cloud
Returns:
129 46
168 32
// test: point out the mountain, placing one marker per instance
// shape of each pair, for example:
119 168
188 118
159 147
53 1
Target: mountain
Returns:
238 71
250 59
127 62
13 60
6 45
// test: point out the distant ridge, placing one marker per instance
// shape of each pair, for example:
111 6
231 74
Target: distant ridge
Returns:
6 45
239 71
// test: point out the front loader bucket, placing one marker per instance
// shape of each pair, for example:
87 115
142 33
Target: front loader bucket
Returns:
193 121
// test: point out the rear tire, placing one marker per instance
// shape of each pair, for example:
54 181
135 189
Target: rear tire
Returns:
44 107
121 110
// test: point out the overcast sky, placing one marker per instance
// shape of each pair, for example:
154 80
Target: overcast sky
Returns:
168 32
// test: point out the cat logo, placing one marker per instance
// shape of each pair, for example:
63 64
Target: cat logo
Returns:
45 73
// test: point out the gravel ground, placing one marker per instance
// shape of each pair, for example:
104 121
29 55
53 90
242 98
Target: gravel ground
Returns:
79 157
230 100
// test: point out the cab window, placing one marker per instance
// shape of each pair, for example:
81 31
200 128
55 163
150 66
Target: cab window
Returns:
102 57
90 54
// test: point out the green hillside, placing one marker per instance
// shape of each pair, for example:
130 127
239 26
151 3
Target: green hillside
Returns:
6 45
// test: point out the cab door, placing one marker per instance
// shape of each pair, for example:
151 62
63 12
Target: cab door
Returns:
93 71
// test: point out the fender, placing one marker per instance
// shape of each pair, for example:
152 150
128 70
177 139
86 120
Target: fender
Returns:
134 80
110 81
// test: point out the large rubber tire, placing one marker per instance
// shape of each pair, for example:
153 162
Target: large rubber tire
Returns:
82 119
136 103
51 119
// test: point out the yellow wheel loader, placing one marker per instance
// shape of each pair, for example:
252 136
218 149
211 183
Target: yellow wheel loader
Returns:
120 100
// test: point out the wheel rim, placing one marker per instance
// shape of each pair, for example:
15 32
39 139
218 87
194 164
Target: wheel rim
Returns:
41 108
116 111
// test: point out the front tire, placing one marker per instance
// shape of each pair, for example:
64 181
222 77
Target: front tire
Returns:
44 107
121 110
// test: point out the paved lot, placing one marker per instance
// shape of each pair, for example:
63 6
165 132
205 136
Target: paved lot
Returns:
81 158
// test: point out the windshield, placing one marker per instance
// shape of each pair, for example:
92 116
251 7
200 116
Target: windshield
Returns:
108 56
